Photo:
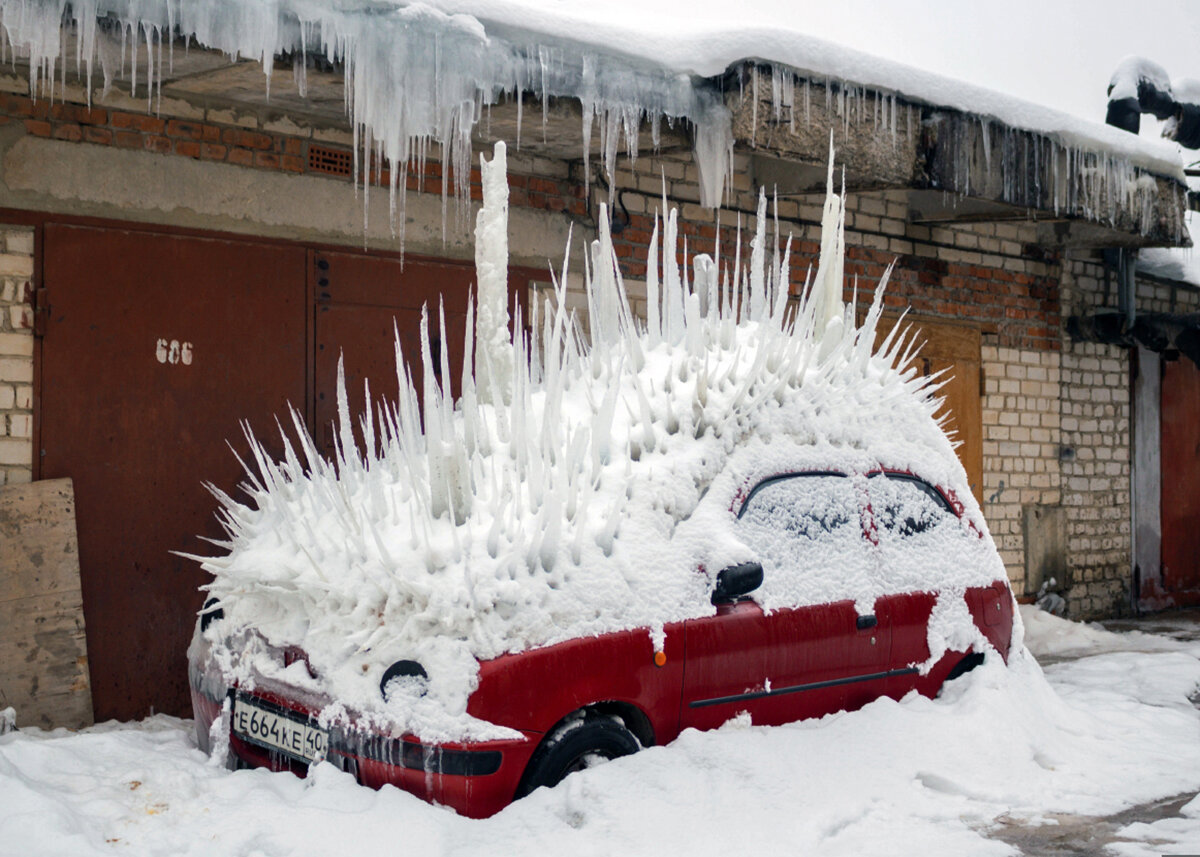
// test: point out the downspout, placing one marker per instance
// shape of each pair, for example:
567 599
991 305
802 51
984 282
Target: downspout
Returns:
1127 304
1127 285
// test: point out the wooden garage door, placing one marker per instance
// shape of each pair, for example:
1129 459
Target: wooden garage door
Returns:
155 347
954 348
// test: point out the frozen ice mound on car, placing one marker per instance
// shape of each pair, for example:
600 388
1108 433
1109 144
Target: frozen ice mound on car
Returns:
562 494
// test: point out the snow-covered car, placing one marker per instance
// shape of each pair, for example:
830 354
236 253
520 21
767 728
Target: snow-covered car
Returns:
742 506
599 697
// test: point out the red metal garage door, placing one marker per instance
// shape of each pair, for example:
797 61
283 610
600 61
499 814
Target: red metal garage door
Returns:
1181 480
155 347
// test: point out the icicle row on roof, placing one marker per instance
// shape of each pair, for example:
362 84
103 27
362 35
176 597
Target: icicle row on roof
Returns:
413 75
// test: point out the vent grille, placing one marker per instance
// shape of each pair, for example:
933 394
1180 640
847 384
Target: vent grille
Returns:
331 162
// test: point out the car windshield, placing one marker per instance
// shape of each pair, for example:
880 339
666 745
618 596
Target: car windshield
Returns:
806 530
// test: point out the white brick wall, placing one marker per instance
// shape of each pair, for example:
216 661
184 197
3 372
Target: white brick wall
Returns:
16 355
1096 432
1021 441
1096 479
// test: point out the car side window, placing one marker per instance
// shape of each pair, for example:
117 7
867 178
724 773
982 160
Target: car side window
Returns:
806 530
921 541
905 506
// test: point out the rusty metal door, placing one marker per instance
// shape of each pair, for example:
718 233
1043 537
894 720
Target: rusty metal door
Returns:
363 302
155 347
1180 447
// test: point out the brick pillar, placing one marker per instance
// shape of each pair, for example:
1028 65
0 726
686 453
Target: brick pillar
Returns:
16 355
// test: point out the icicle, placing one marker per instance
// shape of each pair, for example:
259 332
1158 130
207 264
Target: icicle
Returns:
653 321
492 344
827 292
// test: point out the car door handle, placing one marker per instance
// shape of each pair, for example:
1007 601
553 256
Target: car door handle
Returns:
865 622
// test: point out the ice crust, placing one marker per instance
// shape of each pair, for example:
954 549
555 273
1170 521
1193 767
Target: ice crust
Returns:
422 74
593 488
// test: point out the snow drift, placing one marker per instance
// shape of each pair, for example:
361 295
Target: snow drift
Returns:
575 489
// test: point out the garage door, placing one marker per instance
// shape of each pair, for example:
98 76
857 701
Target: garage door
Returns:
955 350
155 347
362 302
1181 480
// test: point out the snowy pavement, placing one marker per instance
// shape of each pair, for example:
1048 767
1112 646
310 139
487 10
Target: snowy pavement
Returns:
1099 752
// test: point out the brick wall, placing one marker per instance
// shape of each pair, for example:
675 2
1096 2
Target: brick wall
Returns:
1022 437
16 356
243 139
1096 460
980 272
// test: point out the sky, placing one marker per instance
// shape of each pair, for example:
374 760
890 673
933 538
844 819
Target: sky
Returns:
1058 53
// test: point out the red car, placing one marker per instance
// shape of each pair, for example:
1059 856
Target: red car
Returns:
882 543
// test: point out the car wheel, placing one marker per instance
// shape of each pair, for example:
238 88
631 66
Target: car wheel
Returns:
968 663
574 745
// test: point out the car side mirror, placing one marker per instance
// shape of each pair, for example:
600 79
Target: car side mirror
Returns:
736 581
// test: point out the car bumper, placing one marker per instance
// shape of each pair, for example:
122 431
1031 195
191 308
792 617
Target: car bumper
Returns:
476 779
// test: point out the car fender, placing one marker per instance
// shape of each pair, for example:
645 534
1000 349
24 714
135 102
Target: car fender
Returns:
535 689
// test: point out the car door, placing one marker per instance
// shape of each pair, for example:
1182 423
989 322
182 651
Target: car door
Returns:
798 647
917 531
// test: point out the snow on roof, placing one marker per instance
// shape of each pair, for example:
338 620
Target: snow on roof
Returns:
575 490
423 71
705 50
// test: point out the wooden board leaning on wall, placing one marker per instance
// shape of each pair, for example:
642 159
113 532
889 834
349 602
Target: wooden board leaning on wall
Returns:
43 651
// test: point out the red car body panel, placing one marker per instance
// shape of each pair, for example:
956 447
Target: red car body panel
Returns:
534 690
735 654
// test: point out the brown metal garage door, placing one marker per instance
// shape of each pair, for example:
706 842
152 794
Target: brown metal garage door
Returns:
363 301
155 347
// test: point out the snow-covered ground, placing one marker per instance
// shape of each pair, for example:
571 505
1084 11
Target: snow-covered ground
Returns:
1003 748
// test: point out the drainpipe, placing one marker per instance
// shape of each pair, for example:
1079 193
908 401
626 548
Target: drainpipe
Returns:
1127 285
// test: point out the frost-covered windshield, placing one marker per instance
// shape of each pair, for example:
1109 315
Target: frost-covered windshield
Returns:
806 530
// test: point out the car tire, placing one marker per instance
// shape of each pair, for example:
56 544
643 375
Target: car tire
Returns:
574 745
968 663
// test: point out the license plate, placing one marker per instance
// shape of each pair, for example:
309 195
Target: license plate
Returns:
290 735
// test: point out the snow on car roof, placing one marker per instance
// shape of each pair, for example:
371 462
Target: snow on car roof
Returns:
576 489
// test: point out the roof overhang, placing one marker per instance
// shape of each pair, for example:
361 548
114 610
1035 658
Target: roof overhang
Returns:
956 166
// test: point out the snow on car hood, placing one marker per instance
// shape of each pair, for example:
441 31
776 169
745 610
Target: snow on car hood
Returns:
576 489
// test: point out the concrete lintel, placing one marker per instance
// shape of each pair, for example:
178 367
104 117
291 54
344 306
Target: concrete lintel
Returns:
131 185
